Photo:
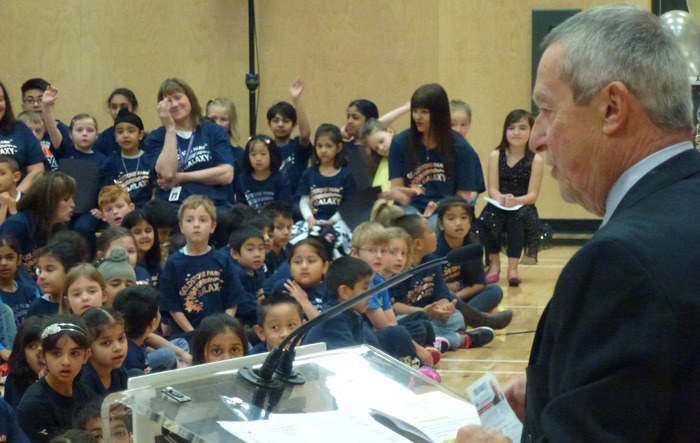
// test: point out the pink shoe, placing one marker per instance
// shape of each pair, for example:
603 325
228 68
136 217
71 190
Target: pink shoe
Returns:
493 278
514 279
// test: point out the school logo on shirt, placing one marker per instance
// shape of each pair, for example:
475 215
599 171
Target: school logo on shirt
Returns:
132 181
258 199
29 260
197 286
7 147
426 173
452 274
199 154
325 195
422 289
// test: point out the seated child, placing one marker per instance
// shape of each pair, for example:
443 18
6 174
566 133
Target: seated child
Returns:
104 373
278 315
426 291
282 217
54 261
198 281
48 406
117 273
24 364
248 258
219 337
139 306
113 204
129 168
348 277
370 243
34 122
9 195
467 281
165 222
84 289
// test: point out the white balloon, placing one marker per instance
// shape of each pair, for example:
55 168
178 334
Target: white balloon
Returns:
687 33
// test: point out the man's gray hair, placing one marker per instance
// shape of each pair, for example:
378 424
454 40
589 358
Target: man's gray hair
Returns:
626 44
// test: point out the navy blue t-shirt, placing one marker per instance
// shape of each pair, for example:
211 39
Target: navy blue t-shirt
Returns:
257 193
467 274
52 154
131 173
209 148
199 286
20 227
21 145
295 160
91 380
106 142
9 428
345 329
424 288
428 177
247 310
326 193
318 295
136 359
73 152
41 306
19 301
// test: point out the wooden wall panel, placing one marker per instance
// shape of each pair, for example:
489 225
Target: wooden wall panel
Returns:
479 50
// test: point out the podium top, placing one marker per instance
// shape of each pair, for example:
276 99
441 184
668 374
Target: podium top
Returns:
352 380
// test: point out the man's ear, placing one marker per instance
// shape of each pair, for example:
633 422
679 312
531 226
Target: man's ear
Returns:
617 99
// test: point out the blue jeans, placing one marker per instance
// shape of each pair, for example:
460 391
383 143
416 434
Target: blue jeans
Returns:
165 359
487 299
449 329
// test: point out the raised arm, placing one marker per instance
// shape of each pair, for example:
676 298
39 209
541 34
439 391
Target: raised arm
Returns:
48 101
302 119
166 165
390 117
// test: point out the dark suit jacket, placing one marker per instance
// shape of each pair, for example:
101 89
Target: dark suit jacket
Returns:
616 356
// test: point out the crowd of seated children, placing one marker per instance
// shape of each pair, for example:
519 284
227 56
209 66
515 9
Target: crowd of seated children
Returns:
232 263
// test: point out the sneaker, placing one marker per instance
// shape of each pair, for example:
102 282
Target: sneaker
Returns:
431 373
478 337
437 355
441 344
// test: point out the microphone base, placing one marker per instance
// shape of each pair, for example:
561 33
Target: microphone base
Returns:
251 376
294 378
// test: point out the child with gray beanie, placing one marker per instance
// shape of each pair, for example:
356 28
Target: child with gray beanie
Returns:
117 273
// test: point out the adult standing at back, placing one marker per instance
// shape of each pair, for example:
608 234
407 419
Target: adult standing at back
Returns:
429 161
17 141
191 154
615 357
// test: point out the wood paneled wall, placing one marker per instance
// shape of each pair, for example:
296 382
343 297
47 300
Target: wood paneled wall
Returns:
479 50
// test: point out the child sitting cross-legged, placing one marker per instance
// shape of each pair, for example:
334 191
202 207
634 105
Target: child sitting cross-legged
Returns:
348 277
198 281
278 315
370 243
426 291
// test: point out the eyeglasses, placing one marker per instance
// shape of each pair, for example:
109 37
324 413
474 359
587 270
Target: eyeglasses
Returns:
32 100
374 251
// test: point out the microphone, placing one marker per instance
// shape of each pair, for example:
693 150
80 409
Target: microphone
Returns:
278 366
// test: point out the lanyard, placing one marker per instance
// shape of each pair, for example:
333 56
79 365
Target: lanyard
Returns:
183 162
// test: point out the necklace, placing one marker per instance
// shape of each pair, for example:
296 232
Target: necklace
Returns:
138 163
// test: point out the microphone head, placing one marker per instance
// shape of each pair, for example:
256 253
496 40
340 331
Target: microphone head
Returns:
465 254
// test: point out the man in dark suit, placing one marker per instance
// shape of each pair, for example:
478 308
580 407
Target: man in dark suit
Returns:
616 356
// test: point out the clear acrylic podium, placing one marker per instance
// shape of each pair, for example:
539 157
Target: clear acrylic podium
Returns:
188 404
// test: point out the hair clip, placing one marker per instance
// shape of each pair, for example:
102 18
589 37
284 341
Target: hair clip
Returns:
55 328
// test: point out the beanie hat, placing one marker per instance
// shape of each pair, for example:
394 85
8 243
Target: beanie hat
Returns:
125 116
116 266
